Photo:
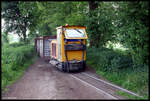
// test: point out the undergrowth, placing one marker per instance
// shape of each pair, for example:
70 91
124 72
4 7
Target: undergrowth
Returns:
117 66
15 59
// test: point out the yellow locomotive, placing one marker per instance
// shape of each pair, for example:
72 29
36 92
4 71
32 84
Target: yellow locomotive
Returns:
68 51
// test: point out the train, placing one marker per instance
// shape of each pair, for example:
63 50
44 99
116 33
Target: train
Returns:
67 50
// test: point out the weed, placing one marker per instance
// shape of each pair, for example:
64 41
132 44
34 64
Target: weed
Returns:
15 59
117 66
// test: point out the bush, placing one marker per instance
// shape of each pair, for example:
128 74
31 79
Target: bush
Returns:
17 44
14 56
117 66
108 60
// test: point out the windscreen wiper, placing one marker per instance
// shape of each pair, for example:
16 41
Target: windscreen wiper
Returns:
78 30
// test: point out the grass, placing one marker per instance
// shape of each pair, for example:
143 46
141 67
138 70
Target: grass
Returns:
17 74
117 67
129 96
16 58
128 80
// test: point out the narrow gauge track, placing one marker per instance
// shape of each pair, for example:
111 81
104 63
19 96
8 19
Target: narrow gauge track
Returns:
105 94
117 87
106 88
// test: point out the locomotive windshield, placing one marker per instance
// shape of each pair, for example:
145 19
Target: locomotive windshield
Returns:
75 33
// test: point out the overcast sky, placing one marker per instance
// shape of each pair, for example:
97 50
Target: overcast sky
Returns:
2 24
14 38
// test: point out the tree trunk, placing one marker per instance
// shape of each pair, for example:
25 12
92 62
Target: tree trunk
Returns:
24 35
24 31
92 6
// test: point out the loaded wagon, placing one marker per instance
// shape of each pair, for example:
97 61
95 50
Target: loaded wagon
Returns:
42 46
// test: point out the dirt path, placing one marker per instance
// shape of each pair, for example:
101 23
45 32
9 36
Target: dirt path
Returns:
43 81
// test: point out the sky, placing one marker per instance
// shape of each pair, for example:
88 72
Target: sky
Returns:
14 37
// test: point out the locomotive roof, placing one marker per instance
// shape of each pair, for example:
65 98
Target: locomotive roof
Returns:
78 26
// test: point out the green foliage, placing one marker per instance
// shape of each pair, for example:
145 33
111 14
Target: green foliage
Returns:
100 27
132 29
126 22
30 9
16 44
129 96
44 29
109 60
54 14
123 22
5 38
118 67
76 19
78 16
14 58
15 21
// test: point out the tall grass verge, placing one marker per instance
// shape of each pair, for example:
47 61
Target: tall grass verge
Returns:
15 59
117 66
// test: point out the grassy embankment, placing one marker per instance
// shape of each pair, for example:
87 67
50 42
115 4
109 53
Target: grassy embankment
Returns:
118 67
16 58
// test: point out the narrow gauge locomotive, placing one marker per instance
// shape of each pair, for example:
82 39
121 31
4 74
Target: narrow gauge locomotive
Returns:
68 51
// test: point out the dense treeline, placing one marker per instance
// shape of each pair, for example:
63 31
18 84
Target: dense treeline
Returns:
124 22
107 22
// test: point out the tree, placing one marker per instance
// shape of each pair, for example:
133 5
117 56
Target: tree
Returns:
100 23
15 21
5 37
31 9
78 16
45 29
93 28
132 28
54 14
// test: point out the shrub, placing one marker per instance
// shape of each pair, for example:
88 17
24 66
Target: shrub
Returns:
14 57
117 66
108 60
17 44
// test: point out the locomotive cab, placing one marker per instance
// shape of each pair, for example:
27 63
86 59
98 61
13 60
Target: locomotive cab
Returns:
68 51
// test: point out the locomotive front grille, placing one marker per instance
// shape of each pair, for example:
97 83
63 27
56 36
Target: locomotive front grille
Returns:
74 47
